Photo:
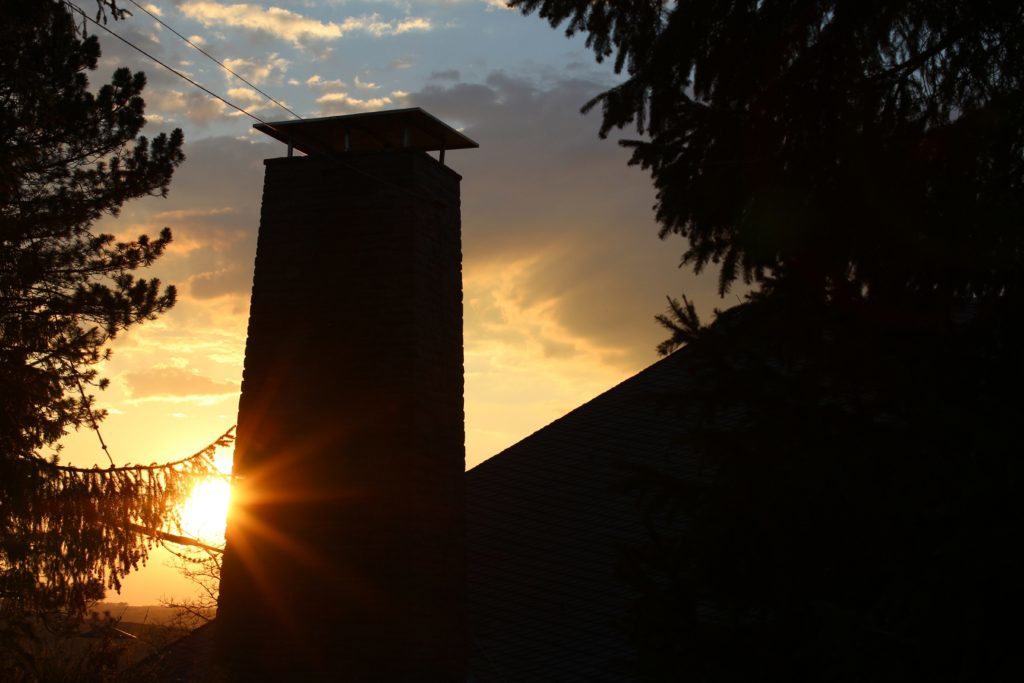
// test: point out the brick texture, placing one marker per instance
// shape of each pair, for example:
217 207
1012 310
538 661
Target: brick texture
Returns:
345 555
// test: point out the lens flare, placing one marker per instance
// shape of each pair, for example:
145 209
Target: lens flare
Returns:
204 514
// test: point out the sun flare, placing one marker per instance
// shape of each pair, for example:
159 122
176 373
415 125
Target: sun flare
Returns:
206 510
204 514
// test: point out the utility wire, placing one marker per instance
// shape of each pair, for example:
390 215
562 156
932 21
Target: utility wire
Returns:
214 59
158 533
330 155
169 68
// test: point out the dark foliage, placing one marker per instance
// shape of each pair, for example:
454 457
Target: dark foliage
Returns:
858 495
862 164
863 148
69 156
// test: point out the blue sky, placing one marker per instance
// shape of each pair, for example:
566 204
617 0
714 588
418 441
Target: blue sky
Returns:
335 57
562 268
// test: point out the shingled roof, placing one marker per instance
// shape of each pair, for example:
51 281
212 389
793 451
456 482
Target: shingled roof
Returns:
547 518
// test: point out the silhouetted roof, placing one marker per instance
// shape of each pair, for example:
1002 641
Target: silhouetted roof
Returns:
410 128
546 519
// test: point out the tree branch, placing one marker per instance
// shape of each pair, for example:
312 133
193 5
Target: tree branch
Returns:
174 538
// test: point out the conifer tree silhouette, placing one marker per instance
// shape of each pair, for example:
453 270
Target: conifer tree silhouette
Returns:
69 156
861 164
864 148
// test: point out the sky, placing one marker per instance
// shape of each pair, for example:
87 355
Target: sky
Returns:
563 271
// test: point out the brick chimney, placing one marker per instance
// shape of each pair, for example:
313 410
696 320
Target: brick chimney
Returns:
345 545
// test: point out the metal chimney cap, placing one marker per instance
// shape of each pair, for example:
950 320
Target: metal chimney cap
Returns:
396 129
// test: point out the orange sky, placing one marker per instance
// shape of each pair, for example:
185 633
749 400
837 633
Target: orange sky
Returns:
563 271
550 316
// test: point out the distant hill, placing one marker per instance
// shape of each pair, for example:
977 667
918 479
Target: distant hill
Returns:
137 614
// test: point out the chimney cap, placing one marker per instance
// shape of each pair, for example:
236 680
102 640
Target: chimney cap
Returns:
410 128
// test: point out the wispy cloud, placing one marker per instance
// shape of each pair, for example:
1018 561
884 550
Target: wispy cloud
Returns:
184 214
500 300
319 84
174 383
295 27
275 20
517 346
364 85
447 4
343 103
259 72
410 24
196 107
246 97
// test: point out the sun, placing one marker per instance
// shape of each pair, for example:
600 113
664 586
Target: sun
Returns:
204 514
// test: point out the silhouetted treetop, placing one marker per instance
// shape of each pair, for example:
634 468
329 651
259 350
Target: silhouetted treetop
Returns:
856 148
69 155
855 422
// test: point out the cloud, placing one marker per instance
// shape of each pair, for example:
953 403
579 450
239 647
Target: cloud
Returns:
504 310
318 84
446 4
213 209
197 107
174 382
563 271
217 283
274 20
543 189
257 72
342 103
188 214
407 25
247 98
365 86
295 27
524 367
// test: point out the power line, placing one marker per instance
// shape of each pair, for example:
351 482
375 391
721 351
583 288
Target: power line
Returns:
334 157
169 68
363 172
214 59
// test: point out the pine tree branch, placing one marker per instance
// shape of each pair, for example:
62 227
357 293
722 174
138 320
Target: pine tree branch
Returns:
162 535
205 453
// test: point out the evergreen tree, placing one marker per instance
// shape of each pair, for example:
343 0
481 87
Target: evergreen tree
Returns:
862 148
862 164
69 156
